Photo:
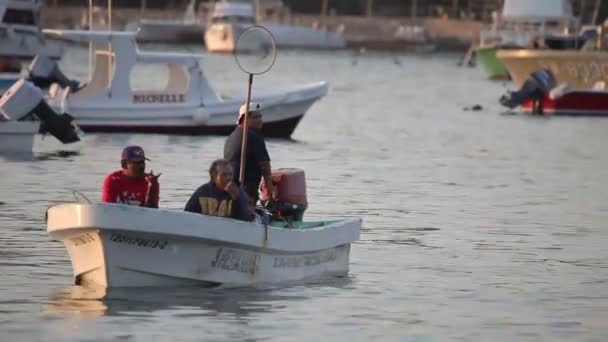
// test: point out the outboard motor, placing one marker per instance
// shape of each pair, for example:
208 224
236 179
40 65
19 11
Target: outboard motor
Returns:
23 101
535 88
289 194
44 71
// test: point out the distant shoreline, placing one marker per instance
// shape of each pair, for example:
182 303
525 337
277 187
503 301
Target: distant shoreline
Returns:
359 31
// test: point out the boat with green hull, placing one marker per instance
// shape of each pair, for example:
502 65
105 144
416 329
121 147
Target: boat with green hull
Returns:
494 68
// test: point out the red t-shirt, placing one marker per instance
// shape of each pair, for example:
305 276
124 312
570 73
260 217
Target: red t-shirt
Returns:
118 188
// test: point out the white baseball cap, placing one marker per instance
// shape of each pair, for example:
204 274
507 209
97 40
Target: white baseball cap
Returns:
253 107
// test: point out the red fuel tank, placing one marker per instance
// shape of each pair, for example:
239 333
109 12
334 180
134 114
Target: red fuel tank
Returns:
289 187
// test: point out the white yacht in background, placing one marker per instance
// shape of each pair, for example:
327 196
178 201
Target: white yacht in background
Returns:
230 18
20 33
185 102
188 30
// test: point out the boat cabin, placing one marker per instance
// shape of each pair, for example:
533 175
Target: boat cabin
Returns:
23 13
117 58
521 21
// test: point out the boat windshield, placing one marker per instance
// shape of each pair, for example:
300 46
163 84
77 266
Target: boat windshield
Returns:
237 19
19 17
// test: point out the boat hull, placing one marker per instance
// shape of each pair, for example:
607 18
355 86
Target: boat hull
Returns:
579 69
283 128
576 103
127 259
282 111
493 67
114 245
17 137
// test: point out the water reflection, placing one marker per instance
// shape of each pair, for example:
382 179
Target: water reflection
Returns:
31 155
91 302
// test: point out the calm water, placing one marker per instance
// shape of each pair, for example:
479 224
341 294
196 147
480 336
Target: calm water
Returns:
477 226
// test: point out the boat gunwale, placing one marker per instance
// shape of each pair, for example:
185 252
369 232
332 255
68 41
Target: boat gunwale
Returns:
221 230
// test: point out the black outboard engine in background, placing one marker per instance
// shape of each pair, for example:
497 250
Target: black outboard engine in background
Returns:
537 86
43 72
23 101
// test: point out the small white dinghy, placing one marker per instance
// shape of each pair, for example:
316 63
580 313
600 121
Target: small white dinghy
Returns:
115 245
186 105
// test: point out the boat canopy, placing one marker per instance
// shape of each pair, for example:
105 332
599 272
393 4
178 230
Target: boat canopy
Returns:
232 9
537 10
123 43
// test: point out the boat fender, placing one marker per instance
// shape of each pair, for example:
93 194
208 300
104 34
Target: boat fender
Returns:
24 101
200 116
43 72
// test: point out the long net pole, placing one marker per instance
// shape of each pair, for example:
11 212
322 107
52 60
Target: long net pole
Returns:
245 132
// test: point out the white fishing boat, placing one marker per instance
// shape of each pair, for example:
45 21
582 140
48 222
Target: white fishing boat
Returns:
24 114
230 19
187 104
115 245
20 32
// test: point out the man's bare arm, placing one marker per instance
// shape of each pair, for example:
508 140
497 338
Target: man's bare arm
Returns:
267 174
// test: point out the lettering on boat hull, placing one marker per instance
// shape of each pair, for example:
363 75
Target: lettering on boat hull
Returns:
304 260
138 242
233 260
83 239
159 98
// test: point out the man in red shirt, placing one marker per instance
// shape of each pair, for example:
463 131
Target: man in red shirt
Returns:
132 185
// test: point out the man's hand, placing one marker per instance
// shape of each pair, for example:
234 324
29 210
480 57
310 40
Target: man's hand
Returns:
232 189
151 178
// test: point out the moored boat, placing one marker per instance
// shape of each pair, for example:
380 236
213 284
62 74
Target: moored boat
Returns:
541 94
229 19
186 105
521 24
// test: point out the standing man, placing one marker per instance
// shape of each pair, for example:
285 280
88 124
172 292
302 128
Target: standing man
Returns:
132 185
257 160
